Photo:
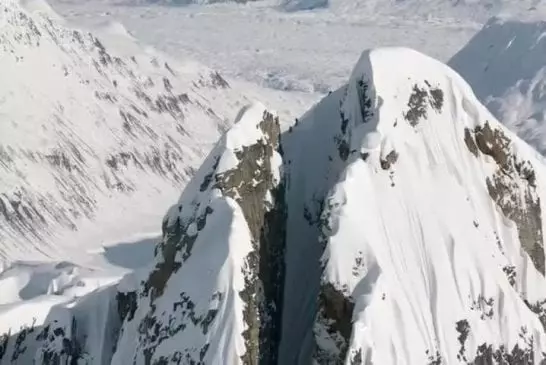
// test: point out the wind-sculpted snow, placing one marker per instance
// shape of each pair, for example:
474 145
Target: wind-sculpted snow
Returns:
89 129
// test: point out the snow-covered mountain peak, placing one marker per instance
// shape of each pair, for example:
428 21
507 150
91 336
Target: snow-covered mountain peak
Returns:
382 97
404 227
438 208
397 222
228 227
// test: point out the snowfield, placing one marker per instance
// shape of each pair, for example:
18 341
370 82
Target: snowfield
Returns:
374 213
310 52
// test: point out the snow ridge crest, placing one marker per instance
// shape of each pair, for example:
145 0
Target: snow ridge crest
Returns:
397 222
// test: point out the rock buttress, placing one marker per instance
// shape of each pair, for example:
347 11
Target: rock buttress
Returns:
252 184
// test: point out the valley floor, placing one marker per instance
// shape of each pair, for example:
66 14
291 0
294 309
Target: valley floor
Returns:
309 52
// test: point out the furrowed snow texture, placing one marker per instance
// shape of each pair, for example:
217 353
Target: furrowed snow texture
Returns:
433 233
88 134
396 223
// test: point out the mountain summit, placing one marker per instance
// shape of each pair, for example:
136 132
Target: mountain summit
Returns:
397 222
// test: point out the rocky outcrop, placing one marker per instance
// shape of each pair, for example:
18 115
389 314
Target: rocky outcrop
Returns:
244 173
252 185
396 222
512 187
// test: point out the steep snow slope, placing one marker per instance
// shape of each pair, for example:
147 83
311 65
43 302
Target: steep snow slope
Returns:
406 228
56 330
432 230
504 63
396 223
93 141
205 299
214 296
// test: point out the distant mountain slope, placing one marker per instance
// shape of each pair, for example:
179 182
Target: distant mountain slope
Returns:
465 9
479 10
96 135
407 228
504 63
397 222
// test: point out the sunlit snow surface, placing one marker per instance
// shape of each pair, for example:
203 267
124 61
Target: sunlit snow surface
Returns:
412 267
310 52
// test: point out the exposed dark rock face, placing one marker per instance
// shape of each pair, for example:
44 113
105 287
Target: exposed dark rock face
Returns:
463 329
510 272
175 240
127 305
60 345
153 331
364 100
389 160
218 80
470 142
539 308
4 339
512 187
334 307
436 99
253 184
335 315
485 306
417 103
487 354
434 358
417 106
357 358
249 183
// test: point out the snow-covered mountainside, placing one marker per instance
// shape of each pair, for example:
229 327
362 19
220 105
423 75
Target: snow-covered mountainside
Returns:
504 64
397 222
426 214
460 9
97 134
408 222
476 9
215 293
